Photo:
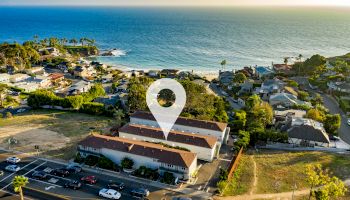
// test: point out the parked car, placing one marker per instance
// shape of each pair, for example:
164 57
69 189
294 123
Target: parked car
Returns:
74 169
75 185
60 172
89 179
116 186
349 121
1 173
13 160
139 193
41 175
109 194
334 138
12 168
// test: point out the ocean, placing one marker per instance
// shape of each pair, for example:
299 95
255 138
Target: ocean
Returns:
188 38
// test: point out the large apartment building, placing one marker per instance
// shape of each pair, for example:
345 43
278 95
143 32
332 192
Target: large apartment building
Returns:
182 164
199 127
204 146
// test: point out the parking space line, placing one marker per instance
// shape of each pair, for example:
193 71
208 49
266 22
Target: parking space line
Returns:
25 173
15 172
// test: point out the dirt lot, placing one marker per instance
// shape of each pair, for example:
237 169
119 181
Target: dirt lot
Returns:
56 132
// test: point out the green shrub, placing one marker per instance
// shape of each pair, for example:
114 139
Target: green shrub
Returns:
127 163
106 163
168 178
146 172
91 160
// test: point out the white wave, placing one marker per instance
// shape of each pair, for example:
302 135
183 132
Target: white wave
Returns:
118 52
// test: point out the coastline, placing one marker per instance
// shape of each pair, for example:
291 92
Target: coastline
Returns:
208 75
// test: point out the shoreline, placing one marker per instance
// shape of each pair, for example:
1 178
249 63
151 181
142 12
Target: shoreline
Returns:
208 75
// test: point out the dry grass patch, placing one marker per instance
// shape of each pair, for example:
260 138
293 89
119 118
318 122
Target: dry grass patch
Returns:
280 171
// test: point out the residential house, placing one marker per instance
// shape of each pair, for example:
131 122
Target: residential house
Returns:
281 116
269 87
27 86
35 70
306 132
169 73
282 68
18 78
246 87
339 87
5 78
84 71
263 71
249 72
181 163
56 78
203 146
42 81
207 128
79 87
153 73
226 77
285 100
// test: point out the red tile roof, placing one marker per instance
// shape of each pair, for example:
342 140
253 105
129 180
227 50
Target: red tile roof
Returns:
174 136
145 149
55 76
211 125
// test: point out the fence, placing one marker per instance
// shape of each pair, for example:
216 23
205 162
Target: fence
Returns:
234 164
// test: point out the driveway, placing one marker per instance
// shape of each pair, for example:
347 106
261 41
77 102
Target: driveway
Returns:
333 107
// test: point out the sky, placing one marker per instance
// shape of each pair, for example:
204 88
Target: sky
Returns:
181 2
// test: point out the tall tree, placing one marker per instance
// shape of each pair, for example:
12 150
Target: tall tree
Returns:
18 183
239 78
73 41
223 64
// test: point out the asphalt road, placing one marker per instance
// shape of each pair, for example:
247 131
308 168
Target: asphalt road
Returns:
53 185
332 105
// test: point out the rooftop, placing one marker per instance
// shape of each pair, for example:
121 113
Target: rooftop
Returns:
174 136
211 125
155 151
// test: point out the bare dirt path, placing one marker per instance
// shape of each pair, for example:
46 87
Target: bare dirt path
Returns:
255 177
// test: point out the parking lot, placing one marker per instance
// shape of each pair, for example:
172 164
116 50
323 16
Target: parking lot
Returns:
54 185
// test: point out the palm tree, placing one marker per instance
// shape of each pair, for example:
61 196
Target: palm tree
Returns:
223 64
286 59
36 37
18 183
82 40
73 41
63 41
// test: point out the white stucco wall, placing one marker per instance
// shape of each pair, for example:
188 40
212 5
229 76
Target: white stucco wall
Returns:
206 154
117 157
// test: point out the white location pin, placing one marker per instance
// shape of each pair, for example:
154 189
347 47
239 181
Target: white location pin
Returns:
166 116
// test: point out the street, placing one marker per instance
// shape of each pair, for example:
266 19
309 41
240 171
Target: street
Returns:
333 107
53 186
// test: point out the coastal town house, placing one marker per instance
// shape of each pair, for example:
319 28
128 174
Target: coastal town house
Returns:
201 127
286 100
269 87
182 164
204 146
306 132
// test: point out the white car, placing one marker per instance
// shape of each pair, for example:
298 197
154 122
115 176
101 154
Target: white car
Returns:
12 168
349 121
13 160
109 194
